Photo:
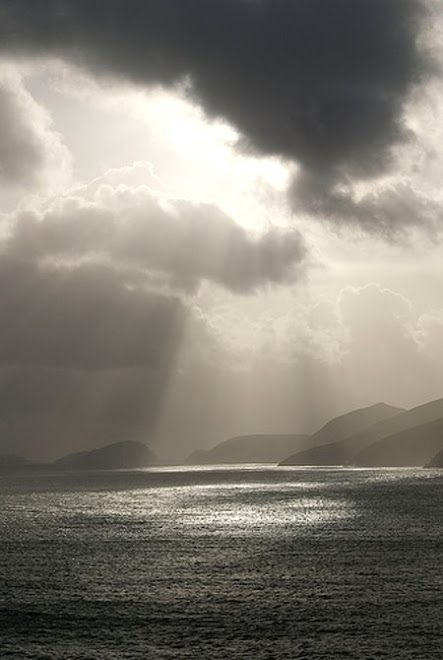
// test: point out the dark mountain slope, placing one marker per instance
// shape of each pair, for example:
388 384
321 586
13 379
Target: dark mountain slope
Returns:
329 445
343 426
119 455
427 412
412 447
354 444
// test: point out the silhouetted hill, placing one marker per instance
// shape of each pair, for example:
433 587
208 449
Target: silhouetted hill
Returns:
436 461
415 446
330 446
343 426
260 448
414 417
119 455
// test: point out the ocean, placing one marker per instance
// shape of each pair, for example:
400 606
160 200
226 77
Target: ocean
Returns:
256 562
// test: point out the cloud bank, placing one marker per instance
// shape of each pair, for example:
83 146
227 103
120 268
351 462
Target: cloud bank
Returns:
96 291
185 241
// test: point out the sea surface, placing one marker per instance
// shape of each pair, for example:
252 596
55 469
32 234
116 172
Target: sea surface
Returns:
222 563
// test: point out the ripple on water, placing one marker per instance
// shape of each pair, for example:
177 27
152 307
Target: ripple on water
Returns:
258 563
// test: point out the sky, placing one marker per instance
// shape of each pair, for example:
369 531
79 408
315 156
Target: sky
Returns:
216 217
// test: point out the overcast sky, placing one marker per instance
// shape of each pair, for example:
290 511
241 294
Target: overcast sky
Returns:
217 217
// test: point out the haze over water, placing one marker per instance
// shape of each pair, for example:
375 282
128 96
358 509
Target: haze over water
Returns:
257 562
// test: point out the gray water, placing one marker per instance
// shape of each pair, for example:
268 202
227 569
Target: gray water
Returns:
222 563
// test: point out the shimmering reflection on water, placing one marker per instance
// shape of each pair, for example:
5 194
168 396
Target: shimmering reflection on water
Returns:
221 563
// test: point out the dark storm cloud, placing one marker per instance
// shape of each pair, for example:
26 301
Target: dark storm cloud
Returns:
87 318
186 241
321 83
390 211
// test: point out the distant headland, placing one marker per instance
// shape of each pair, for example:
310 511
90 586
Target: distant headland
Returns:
379 435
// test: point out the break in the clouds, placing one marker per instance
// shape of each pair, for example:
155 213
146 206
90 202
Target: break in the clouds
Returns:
323 84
